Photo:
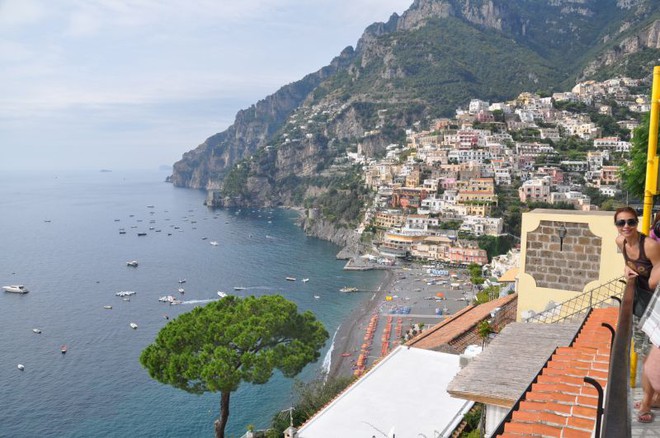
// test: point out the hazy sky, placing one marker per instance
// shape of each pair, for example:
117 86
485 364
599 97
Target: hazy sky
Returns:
124 84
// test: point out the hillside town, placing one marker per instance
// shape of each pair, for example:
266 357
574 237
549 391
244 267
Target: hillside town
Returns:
434 197
452 173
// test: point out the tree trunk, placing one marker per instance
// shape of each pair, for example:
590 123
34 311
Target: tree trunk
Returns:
224 415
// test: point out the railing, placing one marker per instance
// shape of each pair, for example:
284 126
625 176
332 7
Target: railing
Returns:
616 418
576 307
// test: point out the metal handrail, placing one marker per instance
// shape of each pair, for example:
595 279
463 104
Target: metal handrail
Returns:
616 419
578 305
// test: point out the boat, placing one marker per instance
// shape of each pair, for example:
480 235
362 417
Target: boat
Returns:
239 288
182 281
222 294
141 234
214 243
21 366
181 290
36 330
167 299
133 325
290 278
305 280
63 349
125 293
318 297
107 307
132 263
16 289
348 289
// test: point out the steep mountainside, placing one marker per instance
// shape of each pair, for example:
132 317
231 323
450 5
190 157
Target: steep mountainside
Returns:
288 148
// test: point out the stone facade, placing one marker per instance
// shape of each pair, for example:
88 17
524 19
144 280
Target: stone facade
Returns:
569 263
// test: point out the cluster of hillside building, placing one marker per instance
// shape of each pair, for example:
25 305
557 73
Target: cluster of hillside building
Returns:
450 172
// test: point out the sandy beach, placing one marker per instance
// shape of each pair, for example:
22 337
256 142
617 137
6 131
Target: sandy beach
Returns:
427 299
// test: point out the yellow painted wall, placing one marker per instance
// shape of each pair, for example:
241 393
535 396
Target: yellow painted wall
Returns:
600 223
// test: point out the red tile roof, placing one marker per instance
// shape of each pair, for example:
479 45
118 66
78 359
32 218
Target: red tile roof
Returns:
560 403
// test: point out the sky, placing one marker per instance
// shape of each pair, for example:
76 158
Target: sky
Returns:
134 84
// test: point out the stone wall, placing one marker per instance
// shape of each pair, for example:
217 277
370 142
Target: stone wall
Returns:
569 263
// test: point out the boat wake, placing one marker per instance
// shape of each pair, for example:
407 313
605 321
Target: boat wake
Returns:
327 360
199 301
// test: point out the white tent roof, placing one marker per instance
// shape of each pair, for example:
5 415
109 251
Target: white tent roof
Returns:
404 395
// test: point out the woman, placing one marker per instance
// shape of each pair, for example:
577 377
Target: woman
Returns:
642 257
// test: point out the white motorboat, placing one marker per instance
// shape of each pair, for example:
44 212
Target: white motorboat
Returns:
290 278
21 366
133 325
214 243
132 264
36 330
182 281
107 307
305 280
125 293
181 290
170 299
16 289
346 289
222 294
239 288
318 297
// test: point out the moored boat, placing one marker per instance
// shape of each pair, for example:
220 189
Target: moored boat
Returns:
63 349
132 264
222 294
290 278
36 330
21 366
16 289
133 325
125 293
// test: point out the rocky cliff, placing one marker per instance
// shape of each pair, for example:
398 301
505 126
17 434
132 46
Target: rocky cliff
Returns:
290 148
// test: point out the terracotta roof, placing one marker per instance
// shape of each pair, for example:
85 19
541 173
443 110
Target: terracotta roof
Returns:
459 323
560 403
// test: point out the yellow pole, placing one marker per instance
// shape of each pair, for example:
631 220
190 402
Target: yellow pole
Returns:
651 185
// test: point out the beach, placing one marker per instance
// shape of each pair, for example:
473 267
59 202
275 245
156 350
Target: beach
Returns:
425 298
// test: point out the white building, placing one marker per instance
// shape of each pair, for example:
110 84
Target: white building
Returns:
404 395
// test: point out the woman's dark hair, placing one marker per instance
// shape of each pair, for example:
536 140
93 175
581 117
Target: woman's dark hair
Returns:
627 210
656 224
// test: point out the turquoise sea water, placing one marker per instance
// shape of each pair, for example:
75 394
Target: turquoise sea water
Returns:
60 237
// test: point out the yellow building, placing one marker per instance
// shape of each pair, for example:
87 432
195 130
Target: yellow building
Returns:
563 254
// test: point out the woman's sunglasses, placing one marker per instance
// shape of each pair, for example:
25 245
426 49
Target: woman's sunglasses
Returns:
629 222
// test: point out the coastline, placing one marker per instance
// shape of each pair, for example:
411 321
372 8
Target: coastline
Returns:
351 331
408 285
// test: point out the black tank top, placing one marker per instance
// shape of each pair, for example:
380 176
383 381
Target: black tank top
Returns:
642 265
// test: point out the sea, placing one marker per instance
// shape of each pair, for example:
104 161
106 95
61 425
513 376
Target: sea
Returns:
60 237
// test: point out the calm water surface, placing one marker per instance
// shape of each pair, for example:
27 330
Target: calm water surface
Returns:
60 237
